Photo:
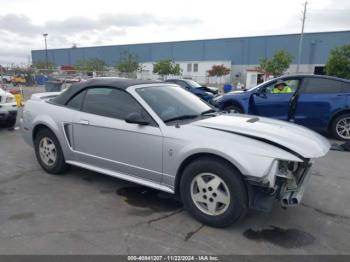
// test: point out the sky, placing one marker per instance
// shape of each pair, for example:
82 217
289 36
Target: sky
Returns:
113 22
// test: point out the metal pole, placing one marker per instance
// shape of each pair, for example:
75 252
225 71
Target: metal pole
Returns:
46 57
301 37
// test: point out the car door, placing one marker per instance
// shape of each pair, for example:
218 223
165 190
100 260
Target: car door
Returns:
317 100
265 103
102 138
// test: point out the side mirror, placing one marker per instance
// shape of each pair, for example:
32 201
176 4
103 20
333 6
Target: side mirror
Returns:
260 92
136 118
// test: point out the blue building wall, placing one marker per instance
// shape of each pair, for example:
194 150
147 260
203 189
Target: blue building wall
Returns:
241 51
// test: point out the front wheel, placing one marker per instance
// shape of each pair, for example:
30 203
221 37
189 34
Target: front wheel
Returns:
340 127
233 109
213 192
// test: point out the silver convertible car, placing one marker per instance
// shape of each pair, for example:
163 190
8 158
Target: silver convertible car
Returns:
162 136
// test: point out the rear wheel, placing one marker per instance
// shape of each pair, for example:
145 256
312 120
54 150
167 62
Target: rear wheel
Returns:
213 192
233 109
48 152
340 127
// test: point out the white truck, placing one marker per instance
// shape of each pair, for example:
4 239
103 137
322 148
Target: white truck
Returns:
8 109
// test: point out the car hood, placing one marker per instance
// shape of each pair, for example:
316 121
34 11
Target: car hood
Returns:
288 136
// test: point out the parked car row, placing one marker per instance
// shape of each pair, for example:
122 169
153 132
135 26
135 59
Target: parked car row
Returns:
8 109
321 103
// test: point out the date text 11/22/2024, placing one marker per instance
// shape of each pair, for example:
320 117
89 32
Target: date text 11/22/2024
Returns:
173 258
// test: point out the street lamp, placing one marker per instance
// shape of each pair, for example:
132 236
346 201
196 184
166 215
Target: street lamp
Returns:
46 57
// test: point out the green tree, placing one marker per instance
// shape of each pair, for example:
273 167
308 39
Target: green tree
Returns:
278 64
166 67
40 64
90 65
128 63
338 63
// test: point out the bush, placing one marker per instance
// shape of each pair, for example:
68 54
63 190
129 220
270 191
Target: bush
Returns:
338 63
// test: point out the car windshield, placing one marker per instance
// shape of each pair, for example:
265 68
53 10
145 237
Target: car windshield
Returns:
173 103
193 83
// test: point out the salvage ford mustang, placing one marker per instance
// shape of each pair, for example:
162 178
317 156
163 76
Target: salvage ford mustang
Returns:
161 136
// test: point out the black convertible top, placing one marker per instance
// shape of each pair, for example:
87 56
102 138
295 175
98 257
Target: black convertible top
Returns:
121 83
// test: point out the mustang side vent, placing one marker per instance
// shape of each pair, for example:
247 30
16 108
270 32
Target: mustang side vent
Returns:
67 133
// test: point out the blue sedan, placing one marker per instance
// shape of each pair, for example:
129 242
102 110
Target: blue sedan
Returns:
204 92
321 103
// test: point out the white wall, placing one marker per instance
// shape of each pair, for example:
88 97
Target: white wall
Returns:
238 72
199 75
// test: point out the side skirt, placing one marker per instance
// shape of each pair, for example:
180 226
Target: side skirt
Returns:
122 176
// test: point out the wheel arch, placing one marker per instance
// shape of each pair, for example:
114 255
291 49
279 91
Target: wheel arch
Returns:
194 157
232 102
335 115
40 126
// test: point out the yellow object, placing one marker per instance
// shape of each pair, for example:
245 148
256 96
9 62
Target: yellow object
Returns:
18 79
285 89
19 100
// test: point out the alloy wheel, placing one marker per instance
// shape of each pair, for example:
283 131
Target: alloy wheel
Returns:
343 128
48 152
210 194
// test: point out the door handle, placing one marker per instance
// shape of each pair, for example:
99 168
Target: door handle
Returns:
84 122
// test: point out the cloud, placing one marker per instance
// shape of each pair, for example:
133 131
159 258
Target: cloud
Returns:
318 20
18 34
21 24
331 17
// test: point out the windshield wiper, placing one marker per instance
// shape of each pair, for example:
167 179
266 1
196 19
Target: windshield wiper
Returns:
180 118
208 111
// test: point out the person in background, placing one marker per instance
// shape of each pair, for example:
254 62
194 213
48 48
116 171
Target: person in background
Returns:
281 88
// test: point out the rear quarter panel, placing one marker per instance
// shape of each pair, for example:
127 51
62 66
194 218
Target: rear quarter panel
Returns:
52 116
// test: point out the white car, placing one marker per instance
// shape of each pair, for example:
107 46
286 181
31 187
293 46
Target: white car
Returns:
161 136
8 109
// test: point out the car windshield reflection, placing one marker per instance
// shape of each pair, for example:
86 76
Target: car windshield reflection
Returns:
173 103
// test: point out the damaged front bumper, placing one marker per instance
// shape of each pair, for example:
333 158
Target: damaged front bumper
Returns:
292 196
288 187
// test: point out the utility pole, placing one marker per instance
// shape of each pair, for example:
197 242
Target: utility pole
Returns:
301 37
46 57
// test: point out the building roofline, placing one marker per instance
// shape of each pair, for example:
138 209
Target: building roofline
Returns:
197 40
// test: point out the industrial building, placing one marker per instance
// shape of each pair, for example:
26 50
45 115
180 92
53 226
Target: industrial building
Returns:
241 54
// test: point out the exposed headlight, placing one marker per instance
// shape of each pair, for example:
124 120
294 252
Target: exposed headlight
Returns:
10 99
286 168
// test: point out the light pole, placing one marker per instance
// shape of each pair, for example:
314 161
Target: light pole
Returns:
301 37
46 57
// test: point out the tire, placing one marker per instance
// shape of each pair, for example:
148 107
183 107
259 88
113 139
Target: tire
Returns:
233 109
11 123
48 152
231 190
340 127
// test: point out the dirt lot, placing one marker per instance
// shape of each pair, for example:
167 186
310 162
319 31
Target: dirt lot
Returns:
83 212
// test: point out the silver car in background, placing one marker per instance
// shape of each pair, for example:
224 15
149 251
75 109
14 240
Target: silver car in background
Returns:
161 136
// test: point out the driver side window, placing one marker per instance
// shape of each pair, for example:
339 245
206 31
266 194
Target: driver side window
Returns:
292 83
110 102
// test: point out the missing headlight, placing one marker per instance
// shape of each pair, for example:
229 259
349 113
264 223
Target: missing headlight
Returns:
287 168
